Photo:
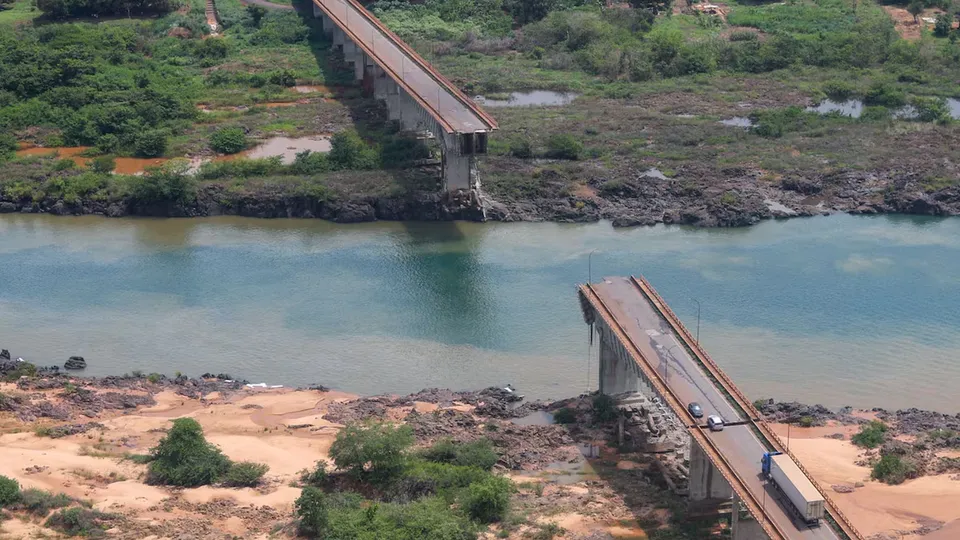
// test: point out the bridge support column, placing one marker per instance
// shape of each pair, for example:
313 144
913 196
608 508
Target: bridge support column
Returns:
338 36
743 526
706 482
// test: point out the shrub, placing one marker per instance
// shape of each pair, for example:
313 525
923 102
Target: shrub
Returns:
478 453
348 151
604 408
184 458
892 469
565 416
563 146
79 522
377 449
64 165
931 109
521 148
228 140
245 474
316 477
103 164
9 491
151 143
444 450
943 25
312 511
39 502
885 94
805 421
839 90
874 113
23 369
871 435
430 477
487 501
743 35
154 378
164 185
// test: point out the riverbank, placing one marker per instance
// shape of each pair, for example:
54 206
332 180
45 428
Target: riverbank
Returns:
561 192
80 436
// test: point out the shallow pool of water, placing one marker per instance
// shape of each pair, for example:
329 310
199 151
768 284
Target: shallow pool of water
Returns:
737 121
530 99
287 147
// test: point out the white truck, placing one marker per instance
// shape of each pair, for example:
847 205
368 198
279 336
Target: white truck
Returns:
790 480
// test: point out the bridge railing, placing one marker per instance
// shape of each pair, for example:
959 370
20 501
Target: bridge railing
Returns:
696 431
756 418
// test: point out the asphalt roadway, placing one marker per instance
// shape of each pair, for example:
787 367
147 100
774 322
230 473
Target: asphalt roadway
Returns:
665 354
392 58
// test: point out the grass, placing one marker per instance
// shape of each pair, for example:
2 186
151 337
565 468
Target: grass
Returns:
22 11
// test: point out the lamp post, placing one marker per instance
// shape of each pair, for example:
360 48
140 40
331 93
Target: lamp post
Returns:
698 319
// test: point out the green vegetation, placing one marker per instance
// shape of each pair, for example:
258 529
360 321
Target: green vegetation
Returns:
317 477
604 408
228 140
565 415
871 435
245 474
9 491
893 469
61 9
40 503
184 458
443 491
805 421
374 451
79 521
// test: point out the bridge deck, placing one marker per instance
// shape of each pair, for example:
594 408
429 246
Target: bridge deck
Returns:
665 353
446 103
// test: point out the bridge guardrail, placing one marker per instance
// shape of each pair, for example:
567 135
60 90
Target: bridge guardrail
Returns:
696 431
756 417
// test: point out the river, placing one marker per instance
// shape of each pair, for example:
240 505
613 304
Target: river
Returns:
858 310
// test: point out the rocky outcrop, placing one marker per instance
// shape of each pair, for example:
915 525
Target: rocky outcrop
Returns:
75 362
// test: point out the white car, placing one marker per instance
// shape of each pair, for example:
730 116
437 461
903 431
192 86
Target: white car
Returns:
715 423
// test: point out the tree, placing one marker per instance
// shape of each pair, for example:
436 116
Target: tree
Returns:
256 14
377 449
488 500
312 510
915 8
943 25
185 458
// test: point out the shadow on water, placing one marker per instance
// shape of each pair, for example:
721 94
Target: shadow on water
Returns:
441 262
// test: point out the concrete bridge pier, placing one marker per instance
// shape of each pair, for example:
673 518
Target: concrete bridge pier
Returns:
706 482
742 524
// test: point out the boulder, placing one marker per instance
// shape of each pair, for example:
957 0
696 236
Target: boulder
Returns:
4 354
75 362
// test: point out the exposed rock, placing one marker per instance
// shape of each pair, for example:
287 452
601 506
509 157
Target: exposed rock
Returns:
75 362
8 207
4 354
842 488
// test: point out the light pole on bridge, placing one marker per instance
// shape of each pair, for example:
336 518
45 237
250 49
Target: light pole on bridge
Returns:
698 319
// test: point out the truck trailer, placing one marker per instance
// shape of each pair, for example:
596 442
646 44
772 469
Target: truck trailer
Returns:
790 480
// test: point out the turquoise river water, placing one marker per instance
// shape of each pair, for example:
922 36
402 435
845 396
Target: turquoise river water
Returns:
838 310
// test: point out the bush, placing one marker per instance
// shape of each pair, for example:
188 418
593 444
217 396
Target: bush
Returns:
478 453
308 162
565 415
348 151
316 477
885 94
376 450
184 458
604 408
169 184
103 164
839 90
943 25
79 522
805 421
931 109
245 474
892 469
487 501
563 147
312 512
521 148
9 491
151 143
39 502
871 435
228 140
743 35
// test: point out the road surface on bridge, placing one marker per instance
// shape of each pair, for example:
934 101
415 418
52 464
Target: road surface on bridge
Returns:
663 351
453 109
